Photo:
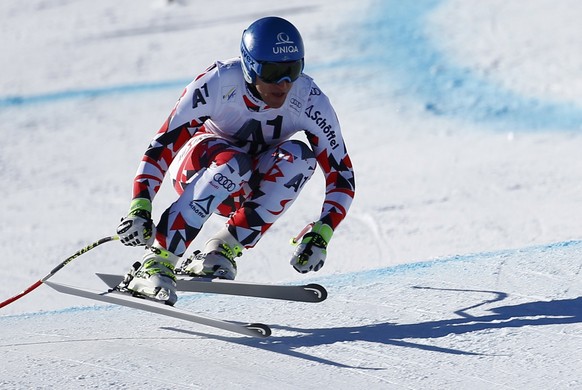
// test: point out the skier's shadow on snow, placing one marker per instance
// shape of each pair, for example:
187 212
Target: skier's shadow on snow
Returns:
556 312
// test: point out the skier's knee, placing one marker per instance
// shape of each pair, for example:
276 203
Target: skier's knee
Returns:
239 163
299 150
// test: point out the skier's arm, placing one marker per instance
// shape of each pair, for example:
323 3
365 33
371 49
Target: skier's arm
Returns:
324 134
137 228
184 120
332 156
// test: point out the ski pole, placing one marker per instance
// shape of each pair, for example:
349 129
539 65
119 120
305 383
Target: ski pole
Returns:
57 268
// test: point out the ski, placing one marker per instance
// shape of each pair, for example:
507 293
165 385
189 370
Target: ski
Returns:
303 293
127 300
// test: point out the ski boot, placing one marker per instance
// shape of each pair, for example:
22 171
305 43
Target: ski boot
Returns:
217 258
154 278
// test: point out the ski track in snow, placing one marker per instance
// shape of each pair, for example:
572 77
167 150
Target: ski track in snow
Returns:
465 140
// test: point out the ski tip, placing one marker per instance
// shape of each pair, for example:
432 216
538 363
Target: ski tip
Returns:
110 280
260 330
319 292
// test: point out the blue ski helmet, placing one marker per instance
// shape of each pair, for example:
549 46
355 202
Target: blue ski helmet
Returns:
271 49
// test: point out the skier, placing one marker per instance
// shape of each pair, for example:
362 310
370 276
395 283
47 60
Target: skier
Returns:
229 141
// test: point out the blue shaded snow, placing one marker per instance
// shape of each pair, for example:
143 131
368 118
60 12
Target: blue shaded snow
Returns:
414 65
375 275
361 278
125 89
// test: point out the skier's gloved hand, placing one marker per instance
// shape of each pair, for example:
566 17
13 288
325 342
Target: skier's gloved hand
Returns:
137 229
311 252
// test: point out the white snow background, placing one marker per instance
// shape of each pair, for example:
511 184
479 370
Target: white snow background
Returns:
459 266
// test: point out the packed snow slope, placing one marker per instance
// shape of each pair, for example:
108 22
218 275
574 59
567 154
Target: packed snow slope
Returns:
458 267
502 320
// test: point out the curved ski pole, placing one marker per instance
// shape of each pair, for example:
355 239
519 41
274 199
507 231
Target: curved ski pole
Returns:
57 268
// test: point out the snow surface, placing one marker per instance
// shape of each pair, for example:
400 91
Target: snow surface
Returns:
458 267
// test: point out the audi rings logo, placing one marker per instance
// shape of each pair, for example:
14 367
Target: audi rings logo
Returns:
225 182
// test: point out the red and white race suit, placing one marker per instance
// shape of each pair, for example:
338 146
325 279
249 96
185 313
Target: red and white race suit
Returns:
233 155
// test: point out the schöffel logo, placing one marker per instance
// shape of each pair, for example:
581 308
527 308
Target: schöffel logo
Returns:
284 44
202 206
225 182
321 122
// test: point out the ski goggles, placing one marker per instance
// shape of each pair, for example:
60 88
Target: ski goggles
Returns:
276 72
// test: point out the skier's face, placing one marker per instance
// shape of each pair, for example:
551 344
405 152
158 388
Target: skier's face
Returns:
273 95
